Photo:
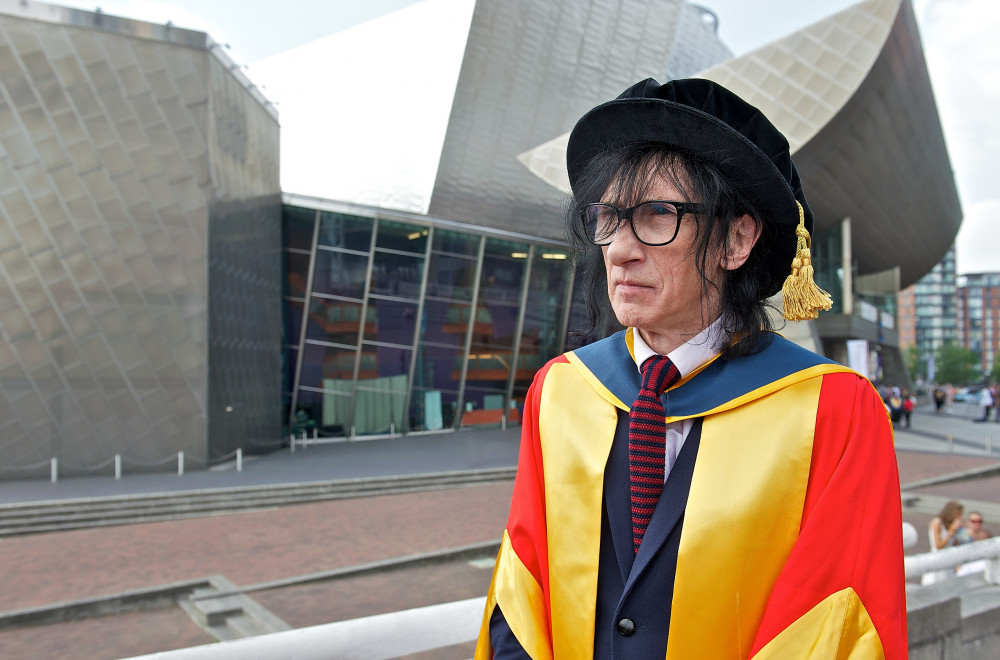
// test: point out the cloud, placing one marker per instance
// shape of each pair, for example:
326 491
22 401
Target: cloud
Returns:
978 243
964 61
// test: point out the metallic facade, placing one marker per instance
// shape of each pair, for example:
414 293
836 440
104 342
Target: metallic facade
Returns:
139 265
531 69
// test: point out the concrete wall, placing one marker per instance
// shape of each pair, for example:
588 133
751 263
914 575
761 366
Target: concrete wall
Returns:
954 620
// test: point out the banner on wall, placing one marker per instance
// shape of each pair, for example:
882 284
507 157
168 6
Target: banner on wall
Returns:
857 356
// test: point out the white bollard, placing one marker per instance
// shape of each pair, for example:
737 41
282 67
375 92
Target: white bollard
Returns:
392 429
950 440
180 463
291 441
315 433
989 444
118 467
239 459
54 470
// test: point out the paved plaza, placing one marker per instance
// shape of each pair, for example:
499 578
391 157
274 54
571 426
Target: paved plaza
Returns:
942 456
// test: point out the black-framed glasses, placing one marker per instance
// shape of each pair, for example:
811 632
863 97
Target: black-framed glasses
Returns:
655 222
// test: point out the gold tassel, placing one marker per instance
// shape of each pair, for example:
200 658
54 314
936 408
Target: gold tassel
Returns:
801 297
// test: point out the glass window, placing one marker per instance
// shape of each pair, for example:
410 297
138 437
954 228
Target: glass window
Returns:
289 359
297 227
379 361
456 242
394 322
327 411
432 410
327 367
397 275
336 321
380 397
451 277
445 322
401 236
483 406
296 274
438 367
340 274
345 231
293 321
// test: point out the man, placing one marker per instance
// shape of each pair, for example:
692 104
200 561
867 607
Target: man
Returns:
751 511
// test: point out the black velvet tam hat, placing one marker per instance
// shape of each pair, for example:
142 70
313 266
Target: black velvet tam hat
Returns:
707 119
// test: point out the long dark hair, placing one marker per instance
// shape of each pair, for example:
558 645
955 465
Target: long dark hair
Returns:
624 176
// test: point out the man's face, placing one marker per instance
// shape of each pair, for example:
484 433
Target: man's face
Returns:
658 289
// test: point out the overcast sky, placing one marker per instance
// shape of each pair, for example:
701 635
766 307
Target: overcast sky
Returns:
959 36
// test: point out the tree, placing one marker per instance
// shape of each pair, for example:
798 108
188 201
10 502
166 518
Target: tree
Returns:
957 365
995 371
915 365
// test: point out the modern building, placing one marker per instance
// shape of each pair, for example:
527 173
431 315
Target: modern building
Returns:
930 312
140 261
166 296
979 316
852 94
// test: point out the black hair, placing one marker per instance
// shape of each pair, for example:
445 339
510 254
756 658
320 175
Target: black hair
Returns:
623 176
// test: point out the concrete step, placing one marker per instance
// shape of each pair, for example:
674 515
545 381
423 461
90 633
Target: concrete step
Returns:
37 517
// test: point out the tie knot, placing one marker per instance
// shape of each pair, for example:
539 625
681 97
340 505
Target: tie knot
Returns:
659 373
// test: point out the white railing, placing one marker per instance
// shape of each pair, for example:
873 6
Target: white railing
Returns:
379 637
949 558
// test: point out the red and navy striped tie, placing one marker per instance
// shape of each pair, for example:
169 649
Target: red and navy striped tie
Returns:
647 432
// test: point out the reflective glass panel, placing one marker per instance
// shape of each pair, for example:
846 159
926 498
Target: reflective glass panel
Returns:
438 367
432 410
293 321
296 274
451 277
445 322
289 357
345 231
383 362
483 406
402 236
397 275
380 397
336 321
328 412
394 322
340 274
327 367
297 227
456 242
379 411
540 335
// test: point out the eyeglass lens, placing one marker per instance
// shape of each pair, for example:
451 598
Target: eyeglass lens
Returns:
653 222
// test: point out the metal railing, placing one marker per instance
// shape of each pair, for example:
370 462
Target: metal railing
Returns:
379 637
949 558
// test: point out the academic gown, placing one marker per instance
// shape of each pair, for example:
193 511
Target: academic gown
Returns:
778 534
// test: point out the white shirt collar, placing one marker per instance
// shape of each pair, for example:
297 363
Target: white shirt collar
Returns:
688 356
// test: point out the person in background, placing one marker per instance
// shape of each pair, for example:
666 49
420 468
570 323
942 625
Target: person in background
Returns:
939 398
944 528
682 482
974 530
986 402
909 402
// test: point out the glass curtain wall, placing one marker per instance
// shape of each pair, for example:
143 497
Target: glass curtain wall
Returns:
400 327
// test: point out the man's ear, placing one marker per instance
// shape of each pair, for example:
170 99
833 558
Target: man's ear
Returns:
743 235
